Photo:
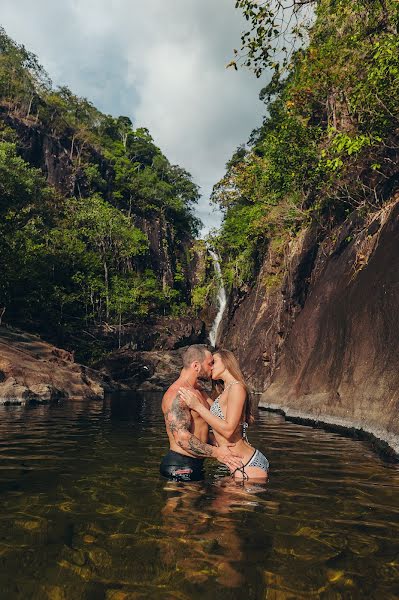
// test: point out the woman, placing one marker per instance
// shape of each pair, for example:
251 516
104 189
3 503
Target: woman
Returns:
230 414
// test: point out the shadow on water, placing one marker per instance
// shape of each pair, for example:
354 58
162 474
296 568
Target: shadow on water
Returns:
85 514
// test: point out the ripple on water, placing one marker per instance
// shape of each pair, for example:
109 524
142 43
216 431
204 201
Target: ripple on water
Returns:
85 514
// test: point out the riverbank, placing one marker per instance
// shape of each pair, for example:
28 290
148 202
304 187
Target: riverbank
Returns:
32 370
382 442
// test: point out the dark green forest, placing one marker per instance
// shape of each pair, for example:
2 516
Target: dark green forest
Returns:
74 244
328 146
106 235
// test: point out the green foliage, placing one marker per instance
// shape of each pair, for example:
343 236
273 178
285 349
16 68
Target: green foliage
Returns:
273 281
200 296
328 142
69 261
71 258
275 26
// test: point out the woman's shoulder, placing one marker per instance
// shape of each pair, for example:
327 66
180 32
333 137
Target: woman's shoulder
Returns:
237 388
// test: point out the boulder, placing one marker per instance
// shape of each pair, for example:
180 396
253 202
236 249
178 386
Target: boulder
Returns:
31 370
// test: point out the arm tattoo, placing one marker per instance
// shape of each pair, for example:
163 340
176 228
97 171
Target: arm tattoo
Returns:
199 448
178 418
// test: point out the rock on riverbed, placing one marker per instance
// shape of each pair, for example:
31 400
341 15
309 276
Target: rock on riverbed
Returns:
32 370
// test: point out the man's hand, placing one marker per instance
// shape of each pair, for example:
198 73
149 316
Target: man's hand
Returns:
192 399
224 455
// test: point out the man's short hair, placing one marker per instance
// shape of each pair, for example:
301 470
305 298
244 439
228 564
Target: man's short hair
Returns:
193 353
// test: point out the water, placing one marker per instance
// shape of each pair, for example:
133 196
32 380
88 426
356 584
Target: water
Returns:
221 299
86 516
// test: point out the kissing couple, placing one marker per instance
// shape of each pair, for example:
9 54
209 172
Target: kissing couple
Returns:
199 426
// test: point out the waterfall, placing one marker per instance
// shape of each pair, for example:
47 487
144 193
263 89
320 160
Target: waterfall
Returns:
221 299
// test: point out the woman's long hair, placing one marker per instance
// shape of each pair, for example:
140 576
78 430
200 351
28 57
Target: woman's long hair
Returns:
231 364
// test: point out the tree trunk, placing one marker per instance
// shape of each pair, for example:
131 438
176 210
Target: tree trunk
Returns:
30 106
72 147
120 326
106 289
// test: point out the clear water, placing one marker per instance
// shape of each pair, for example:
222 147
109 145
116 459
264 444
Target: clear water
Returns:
85 514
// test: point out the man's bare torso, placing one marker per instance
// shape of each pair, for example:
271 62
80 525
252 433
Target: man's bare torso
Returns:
197 425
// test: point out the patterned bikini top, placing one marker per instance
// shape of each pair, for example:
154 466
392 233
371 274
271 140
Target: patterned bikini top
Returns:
216 410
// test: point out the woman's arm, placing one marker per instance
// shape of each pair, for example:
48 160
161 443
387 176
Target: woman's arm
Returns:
227 426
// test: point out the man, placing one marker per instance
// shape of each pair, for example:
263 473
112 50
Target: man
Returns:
187 431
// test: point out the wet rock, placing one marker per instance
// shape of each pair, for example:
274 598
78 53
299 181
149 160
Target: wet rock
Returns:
100 558
322 344
122 595
145 371
53 592
153 334
74 556
34 371
340 361
12 392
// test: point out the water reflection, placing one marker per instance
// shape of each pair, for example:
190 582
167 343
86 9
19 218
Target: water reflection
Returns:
201 522
86 516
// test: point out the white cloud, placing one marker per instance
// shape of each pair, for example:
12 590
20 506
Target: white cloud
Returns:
161 62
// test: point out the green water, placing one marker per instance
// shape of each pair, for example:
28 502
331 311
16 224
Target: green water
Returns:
85 515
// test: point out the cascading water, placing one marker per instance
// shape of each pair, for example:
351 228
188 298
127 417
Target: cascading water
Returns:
221 298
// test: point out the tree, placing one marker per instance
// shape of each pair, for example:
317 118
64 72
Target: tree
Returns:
276 26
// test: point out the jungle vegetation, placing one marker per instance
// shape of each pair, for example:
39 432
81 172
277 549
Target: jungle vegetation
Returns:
77 255
328 144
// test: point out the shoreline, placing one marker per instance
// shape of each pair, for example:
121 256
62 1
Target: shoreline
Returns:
386 450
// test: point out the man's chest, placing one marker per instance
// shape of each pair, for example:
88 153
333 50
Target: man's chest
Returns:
197 420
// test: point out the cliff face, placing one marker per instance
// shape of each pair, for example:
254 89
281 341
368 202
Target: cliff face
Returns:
324 344
258 318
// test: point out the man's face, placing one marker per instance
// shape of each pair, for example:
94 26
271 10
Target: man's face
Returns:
206 366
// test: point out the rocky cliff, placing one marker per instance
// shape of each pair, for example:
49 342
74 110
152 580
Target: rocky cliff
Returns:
31 370
323 344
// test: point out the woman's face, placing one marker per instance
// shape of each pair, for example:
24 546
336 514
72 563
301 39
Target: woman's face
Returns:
218 366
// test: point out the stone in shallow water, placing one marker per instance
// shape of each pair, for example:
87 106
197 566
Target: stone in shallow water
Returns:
29 525
303 548
277 588
109 509
334 575
83 572
100 558
331 539
74 556
53 592
121 595
362 545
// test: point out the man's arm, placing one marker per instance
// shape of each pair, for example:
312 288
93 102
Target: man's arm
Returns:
178 419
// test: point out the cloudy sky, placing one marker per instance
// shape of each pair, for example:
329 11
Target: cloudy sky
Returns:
161 62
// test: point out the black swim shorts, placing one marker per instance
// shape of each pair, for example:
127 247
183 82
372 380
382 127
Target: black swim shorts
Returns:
180 467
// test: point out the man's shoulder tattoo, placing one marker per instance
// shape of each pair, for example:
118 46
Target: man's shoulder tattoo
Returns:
178 415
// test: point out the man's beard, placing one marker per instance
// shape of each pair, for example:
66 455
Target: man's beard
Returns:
202 375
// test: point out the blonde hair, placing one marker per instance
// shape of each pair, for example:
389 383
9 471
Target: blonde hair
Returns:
231 364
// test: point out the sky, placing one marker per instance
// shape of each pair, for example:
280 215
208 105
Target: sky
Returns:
160 62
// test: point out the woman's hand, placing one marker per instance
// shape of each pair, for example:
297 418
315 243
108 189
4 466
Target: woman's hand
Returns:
190 398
